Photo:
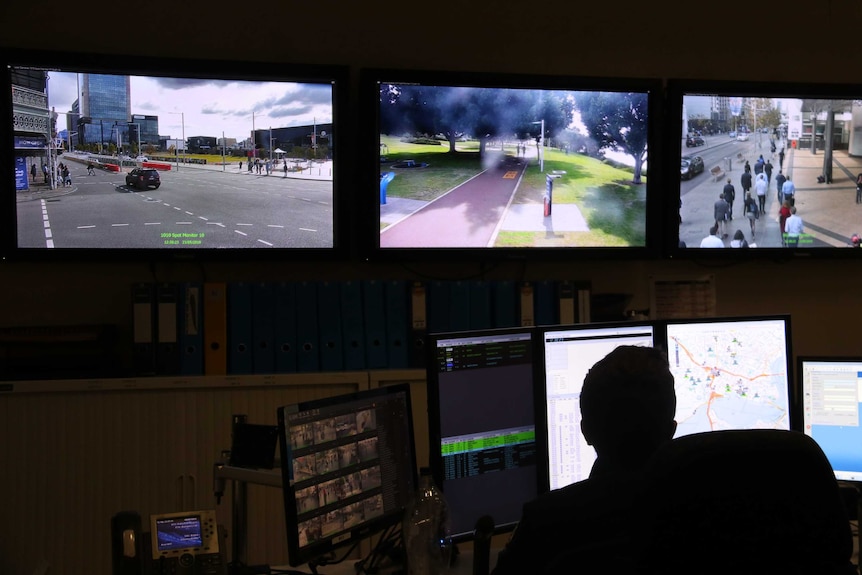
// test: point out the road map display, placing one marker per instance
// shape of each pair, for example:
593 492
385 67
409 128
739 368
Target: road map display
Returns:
730 374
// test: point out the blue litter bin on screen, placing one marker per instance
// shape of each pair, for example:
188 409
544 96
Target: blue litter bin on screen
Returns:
384 181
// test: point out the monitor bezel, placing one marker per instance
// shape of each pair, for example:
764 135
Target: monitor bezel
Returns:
298 555
676 89
337 75
368 140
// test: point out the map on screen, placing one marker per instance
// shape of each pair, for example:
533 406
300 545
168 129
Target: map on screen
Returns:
730 374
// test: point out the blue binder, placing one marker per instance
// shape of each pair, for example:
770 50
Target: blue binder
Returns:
239 328
545 302
505 304
353 329
439 296
307 332
167 346
459 306
374 304
263 328
330 341
397 325
143 328
191 338
286 343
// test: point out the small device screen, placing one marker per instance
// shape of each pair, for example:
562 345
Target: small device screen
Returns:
179 533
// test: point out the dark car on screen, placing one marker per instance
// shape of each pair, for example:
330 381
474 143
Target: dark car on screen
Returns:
694 141
143 178
690 166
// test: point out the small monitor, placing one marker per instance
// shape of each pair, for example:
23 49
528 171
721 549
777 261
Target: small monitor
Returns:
189 532
348 468
568 354
482 425
831 389
730 373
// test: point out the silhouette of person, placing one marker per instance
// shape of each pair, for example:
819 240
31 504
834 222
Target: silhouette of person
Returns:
627 412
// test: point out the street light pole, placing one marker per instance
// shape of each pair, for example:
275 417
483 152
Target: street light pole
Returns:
541 143
183 120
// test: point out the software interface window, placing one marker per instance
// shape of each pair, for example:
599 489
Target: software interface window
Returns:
487 426
569 354
832 397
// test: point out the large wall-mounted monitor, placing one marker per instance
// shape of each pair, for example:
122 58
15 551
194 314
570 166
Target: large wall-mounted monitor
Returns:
731 373
482 425
831 392
568 353
130 158
808 134
486 166
348 468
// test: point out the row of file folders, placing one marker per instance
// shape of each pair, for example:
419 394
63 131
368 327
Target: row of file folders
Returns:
219 328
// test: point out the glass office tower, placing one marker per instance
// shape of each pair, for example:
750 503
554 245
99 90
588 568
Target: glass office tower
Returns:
106 101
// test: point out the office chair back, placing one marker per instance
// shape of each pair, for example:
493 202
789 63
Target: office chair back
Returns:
753 501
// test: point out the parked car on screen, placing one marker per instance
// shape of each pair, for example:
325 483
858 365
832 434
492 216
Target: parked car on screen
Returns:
742 137
690 166
693 141
142 159
143 178
731 134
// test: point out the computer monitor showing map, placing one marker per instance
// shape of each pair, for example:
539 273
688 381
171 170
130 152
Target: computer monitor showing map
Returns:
568 354
730 373
482 425
831 391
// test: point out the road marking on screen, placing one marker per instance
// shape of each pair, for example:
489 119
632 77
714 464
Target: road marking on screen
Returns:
152 223
240 233
190 213
85 227
184 223
177 208
510 175
266 243
215 224
245 224
118 225
203 218
274 226
307 230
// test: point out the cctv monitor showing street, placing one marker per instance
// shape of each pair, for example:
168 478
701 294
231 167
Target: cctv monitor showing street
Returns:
798 154
482 165
124 161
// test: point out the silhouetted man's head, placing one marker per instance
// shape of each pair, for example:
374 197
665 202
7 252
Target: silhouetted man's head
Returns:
628 404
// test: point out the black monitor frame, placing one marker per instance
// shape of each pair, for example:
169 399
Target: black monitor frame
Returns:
368 207
393 502
290 245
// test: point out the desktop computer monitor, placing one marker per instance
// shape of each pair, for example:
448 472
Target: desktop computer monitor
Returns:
730 373
568 354
831 390
482 425
348 468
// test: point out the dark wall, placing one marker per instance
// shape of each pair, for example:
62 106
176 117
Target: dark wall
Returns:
789 41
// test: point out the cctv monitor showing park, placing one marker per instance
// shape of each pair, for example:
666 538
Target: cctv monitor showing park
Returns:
512 168
796 150
107 160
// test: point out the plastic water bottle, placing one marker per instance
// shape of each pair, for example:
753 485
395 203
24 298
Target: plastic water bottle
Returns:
426 529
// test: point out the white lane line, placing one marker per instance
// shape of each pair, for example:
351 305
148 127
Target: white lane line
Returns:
307 230
203 218
189 213
240 233
266 243
118 225
152 223
85 227
49 242
177 208
245 224
274 226
215 224
184 223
